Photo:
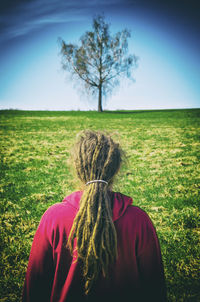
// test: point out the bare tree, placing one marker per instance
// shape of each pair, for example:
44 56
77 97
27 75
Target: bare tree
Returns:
101 60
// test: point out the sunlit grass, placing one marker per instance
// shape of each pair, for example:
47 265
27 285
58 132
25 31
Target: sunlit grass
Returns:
162 174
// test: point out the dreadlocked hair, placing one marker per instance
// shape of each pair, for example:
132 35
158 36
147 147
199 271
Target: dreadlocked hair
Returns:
96 157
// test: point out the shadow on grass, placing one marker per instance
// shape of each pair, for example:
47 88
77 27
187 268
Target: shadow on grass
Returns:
147 111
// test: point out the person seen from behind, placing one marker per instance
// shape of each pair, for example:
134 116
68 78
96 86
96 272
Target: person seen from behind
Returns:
95 245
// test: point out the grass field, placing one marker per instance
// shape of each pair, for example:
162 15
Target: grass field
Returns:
162 174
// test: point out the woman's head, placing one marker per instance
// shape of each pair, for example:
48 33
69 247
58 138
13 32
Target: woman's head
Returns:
96 156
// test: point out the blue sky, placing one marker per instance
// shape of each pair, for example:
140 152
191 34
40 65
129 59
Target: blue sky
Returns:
165 36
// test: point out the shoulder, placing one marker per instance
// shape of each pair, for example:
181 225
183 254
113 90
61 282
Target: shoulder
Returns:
64 210
136 219
137 213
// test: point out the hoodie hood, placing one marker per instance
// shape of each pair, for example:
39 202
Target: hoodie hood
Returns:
119 201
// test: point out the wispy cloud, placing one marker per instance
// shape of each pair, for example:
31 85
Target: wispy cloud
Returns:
19 18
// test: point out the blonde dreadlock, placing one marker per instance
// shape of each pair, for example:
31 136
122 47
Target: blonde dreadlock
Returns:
96 157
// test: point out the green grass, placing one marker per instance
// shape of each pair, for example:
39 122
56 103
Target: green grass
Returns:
162 175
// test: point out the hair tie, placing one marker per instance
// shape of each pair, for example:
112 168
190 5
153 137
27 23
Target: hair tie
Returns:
96 180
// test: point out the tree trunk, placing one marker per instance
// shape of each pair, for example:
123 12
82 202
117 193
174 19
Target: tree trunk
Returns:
100 99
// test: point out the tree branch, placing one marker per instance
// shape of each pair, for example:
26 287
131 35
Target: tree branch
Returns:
87 80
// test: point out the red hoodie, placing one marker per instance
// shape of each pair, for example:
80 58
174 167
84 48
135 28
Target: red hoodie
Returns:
53 275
